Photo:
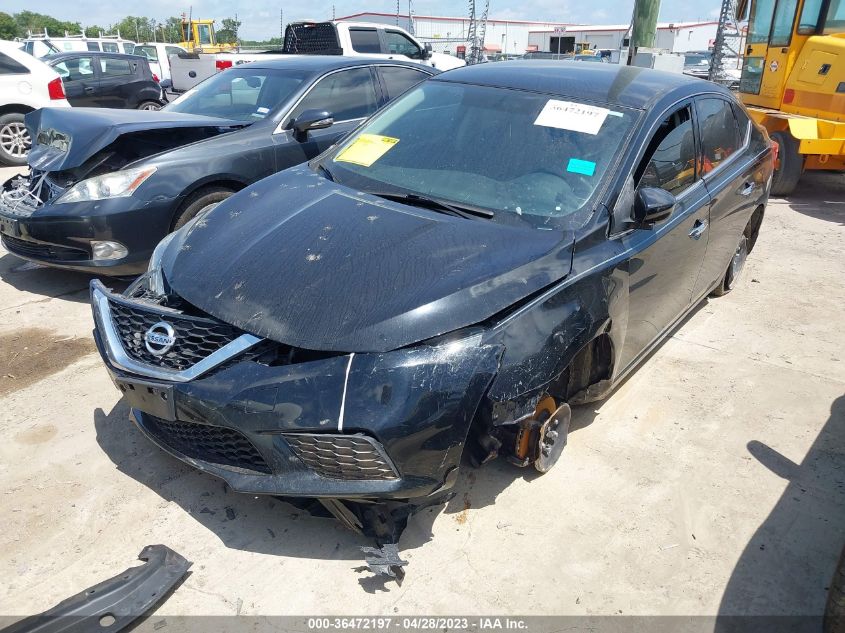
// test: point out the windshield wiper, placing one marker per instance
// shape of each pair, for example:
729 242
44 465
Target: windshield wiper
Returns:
414 199
325 171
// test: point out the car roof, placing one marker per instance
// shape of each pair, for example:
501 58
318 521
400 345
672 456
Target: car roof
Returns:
321 63
626 86
70 54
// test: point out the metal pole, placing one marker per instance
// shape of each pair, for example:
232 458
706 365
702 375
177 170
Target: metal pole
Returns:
644 27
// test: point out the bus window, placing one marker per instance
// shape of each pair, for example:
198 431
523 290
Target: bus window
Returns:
760 23
784 19
809 21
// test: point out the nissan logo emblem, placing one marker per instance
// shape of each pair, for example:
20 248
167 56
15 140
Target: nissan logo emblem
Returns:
160 338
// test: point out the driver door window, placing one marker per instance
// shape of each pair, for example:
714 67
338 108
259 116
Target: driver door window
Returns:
348 94
399 44
669 160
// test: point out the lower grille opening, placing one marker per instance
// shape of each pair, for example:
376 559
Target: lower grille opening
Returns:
43 251
217 445
342 456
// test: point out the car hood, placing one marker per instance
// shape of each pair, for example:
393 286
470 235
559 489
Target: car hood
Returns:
65 138
306 262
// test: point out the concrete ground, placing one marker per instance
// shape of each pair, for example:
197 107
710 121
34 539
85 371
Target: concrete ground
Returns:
711 482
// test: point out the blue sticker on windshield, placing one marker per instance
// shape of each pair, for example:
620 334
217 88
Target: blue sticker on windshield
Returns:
584 167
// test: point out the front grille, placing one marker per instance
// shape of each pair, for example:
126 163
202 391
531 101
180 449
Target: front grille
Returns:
36 250
196 337
342 456
214 444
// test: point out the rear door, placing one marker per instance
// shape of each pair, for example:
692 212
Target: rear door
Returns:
733 181
350 95
397 79
366 41
118 79
80 79
667 257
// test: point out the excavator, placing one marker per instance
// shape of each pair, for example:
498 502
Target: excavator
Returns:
793 82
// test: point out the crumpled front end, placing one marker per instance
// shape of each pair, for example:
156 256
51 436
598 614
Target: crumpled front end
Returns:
273 419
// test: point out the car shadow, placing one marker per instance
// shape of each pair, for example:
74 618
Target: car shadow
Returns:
42 280
820 195
786 567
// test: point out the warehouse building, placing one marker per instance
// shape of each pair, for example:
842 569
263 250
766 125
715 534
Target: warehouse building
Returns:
447 34
677 37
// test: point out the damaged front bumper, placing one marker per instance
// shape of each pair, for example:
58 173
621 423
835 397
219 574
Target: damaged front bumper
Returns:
62 235
372 426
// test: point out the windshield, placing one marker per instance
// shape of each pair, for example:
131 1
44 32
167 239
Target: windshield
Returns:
516 153
244 94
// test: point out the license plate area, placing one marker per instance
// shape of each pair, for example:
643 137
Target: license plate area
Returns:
9 227
152 398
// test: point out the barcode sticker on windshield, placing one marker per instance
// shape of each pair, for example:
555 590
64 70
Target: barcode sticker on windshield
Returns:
366 149
567 115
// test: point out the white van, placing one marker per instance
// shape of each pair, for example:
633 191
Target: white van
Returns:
41 45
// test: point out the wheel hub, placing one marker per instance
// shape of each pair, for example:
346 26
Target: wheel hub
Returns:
737 263
14 139
551 438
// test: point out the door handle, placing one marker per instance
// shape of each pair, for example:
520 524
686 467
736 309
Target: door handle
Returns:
698 229
89 89
747 189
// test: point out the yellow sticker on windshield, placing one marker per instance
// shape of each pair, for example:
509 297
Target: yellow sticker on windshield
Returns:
366 149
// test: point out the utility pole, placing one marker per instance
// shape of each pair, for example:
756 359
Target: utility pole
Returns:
411 17
282 26
644 26
397 12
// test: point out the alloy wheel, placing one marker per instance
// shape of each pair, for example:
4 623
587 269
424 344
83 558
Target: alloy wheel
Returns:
14 139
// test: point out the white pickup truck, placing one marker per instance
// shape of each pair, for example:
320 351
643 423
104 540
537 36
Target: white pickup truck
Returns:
352 39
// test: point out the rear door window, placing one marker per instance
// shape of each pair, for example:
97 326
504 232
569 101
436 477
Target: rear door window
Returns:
720 136
114 67
365 41
93 46
9 66
397 80
669 160
348 94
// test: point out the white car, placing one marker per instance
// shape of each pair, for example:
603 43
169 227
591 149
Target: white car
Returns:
26 84
158 56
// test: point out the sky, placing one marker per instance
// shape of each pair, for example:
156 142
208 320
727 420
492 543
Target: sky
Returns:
260 19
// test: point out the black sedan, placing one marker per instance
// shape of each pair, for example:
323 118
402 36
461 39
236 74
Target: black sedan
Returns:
501 243
107 80
105 186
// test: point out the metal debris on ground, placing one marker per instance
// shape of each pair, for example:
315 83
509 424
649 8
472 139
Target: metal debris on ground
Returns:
385 561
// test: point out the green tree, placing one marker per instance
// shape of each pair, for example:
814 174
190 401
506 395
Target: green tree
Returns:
229 32
94 31
8 27
37 22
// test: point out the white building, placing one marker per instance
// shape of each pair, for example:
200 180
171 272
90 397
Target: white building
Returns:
677 37
446 34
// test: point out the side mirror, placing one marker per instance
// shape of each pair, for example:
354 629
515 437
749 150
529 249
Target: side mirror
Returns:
311 120
427 51
652 205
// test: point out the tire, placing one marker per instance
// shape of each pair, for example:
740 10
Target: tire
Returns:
834 613
200 201
149 105
791 164
14 139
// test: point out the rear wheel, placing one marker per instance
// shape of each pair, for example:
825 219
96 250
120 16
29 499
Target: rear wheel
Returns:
14 139
790 164
199 202
734 268
149 105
